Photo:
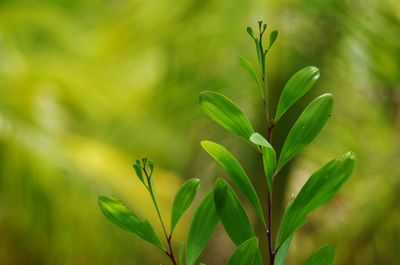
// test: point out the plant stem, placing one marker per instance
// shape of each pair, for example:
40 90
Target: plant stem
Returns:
170 254
270 127
151 189
153 197
269 232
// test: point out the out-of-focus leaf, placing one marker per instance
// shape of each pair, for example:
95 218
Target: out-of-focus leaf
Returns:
281 255
324 256
181 252
233 217
306 128
253 73
297 86
250 32
272 38
226 113
183 199
235 172
204 222
245 253
269 157
116 212
319 189
138 171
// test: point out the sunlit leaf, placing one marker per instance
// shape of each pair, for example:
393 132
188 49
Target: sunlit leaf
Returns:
233 217
319 189
235 172
269 157
324 256
245 253
253 73
281 255
306 128
183 199
297 86
226 113
116 212
204 222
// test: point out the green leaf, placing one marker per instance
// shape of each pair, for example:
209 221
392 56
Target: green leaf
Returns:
297 86
181 252
233 217
281 255
203 224
116 212
306 128
183 199
250 32
138 171
269 157
272 38
319 189
226 113
231 212
253 73
245 253
324 256
235 172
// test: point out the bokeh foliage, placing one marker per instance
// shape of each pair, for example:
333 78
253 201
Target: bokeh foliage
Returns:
86 87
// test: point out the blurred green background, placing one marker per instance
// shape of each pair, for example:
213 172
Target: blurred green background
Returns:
88 86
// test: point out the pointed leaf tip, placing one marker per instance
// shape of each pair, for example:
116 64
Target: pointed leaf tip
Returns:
306 128
324 256
246 253
297 86
319 189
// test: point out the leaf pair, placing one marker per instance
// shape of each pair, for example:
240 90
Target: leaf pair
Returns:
210 211
235 172
118 213
233 216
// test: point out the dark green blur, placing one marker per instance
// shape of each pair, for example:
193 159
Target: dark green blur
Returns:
89 86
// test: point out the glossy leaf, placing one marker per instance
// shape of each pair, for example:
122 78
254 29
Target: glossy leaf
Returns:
183 199
245 253
235 172
324 256
204 222
269 157
232 214
306 128
319 189
116 212
297 86
226 113
253 73
281 255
